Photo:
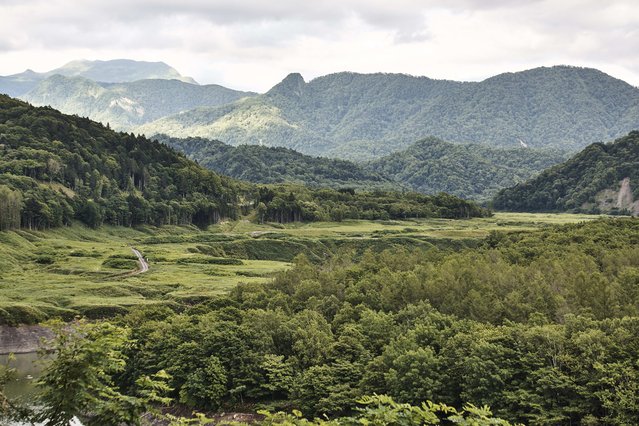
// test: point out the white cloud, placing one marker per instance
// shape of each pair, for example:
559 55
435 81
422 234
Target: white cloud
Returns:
252 44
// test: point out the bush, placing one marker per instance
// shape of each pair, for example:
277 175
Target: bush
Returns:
210 261
120 263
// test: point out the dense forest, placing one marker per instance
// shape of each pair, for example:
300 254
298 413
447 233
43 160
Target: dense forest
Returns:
366 116
467 170
541 326
262 164
604 177
55 168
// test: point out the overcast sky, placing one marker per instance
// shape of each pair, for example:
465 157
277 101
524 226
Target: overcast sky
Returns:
253 44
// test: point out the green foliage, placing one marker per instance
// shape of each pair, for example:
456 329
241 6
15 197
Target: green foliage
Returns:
79 381
591 181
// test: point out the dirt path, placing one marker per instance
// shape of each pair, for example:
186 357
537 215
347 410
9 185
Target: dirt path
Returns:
144 265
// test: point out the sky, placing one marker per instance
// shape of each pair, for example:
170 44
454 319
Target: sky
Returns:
254 44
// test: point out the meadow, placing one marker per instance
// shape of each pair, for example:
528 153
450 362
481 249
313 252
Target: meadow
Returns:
77 270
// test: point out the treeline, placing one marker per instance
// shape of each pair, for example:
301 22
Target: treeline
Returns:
294 203
56 168
539 326
579 183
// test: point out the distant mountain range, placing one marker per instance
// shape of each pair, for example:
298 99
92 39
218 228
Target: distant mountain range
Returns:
113 71
361 116
603 178
429 166
345 115
127 105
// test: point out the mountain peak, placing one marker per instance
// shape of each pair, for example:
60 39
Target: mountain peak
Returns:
293 84
120 71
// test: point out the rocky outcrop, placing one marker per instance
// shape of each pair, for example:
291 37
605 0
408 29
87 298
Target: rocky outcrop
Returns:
617 200
22 339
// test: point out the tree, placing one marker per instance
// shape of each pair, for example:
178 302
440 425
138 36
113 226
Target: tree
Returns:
79 381
10 208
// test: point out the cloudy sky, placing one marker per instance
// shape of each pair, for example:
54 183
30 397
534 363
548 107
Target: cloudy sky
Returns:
253 44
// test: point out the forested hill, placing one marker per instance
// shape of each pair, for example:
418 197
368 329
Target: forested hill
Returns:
469 171
602 178
127 105
62 167
55 168
261 164
364 116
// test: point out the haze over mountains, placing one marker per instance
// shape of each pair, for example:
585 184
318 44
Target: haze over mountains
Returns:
112 71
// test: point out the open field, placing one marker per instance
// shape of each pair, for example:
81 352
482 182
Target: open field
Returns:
77 270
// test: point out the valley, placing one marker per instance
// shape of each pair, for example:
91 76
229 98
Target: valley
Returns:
358 248
75 270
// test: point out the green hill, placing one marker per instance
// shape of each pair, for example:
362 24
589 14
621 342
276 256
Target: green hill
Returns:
261 164
469 171
126 105
604 177
365 116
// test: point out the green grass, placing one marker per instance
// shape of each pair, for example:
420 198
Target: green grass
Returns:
69 271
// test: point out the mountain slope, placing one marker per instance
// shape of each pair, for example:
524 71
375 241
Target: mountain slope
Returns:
113 71
470 171
601 178
126 105
369 115
260 164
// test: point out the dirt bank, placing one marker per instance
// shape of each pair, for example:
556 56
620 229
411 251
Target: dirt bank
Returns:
22 339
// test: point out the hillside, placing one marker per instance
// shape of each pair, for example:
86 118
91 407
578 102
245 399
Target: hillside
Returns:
261 164
56 168
469 171
604 177
365 116
113 71
126 105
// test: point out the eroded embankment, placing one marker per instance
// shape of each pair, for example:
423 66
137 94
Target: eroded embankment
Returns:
22 339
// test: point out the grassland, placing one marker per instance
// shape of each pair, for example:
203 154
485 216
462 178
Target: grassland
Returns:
76 270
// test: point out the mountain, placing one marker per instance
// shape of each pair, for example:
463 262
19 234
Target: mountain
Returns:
126 105
113 71
469 171
361 116
120 71
57 168
261 164
603 178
